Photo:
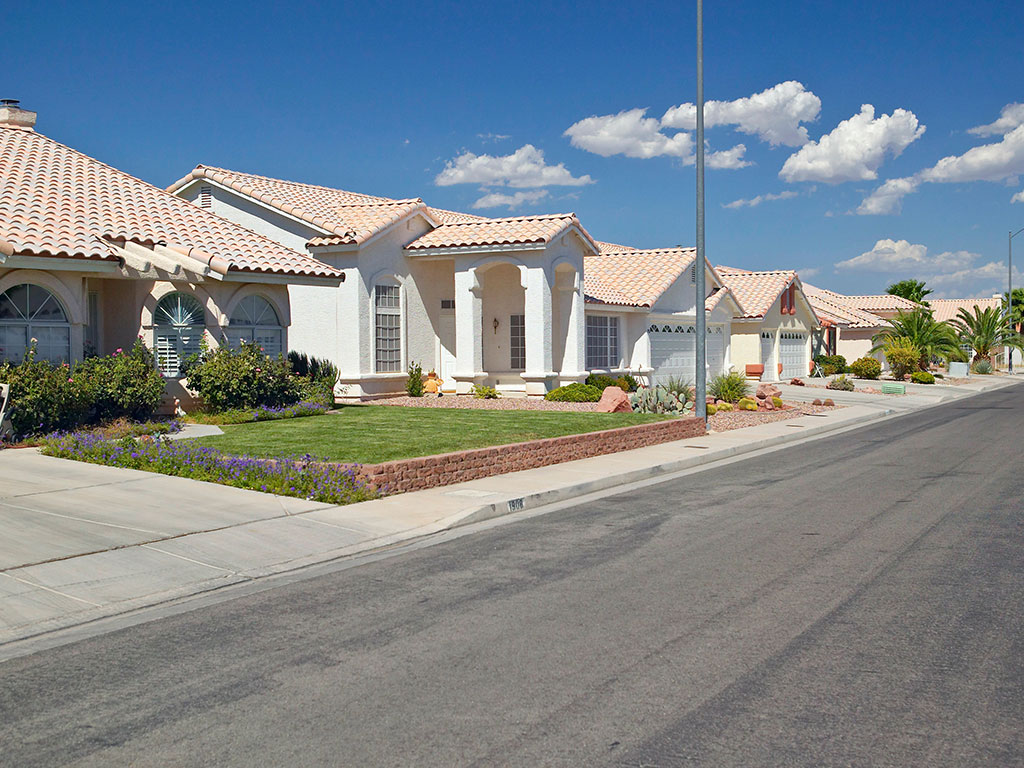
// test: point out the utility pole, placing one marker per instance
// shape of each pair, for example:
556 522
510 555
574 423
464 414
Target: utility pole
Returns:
700 385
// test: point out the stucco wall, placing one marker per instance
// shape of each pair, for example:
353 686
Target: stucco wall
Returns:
503 295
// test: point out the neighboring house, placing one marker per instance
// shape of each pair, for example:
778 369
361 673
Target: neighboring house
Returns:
497 302
772 334
847 328
641 313
945 310
92 258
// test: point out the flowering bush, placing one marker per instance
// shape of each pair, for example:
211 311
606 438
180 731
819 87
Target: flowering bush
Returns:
304 477
125 384
243 378
262 413
45 396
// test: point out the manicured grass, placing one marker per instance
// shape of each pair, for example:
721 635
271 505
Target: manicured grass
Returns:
369 434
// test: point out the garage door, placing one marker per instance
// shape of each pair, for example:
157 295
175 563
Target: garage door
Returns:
768 356
793 351
716 350
673 351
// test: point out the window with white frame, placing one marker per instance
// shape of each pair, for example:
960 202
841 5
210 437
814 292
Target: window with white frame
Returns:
179 323
602 342
388 328
254 320
517 342
31 314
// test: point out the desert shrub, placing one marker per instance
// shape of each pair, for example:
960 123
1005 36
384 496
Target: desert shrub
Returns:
938 376
658 399
483 392
601 381
746 404
228 379
723 407
829 402
816 401
842 384
922 377
681 388
124 384
414 383
983 367
831 364
777 402
902 356
575 393
729 387
45 396
627 383
712 410
314 368
866 368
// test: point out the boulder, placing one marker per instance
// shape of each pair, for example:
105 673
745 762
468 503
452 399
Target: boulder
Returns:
797 382
614 400
767 392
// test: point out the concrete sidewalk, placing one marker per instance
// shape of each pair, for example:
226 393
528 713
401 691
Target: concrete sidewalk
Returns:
82 541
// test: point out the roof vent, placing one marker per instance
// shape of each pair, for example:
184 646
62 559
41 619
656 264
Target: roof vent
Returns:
12 115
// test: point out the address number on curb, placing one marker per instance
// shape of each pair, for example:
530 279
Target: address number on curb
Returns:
515 505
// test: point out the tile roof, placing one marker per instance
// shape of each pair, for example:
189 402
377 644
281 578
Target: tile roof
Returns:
516 230
344 217
833 307
612 247
880 303
756 292
948 309
56 201
634 277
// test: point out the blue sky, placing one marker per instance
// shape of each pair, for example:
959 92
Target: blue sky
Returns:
487 104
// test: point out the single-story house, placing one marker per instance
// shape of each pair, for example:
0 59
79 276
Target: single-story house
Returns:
92 258
641 314
945 310
772 334
847 328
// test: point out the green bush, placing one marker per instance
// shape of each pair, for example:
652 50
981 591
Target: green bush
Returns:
681 388
777 402
729 387
842 384
601 381
229 379
831 364
983 367
314 368
723 407
414 384
903 357
866 368
627 383
46 397
482 392
124 384
575 393
712 410
922 377
746 404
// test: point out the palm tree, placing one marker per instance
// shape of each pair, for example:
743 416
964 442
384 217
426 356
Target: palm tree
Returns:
914 290
985 330
932 338
1018 306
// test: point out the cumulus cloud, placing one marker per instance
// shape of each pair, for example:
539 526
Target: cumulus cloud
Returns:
753 202
905 257
630 133
1018 198
855 148
1011 116
524 168
726 159
888 198
773 115
999 161
513 201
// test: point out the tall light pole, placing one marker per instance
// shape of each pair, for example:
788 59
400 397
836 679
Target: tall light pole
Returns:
702 339
1009 286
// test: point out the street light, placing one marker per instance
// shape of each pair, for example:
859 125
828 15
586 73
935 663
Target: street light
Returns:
700 386
1009 285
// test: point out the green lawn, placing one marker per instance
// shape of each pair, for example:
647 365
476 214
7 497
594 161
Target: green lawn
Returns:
369 434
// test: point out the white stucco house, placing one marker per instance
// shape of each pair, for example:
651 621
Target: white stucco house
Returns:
523 303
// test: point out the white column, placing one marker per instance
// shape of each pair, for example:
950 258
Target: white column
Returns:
574 357
468 328
538 374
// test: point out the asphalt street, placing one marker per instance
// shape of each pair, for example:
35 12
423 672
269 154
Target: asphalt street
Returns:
853 601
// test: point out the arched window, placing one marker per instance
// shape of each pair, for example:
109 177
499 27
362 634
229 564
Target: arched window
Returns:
179 324
254 320
30 312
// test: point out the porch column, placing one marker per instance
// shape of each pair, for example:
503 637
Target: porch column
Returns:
538 374
468 330
574 356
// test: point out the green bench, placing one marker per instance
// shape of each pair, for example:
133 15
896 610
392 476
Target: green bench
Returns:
894 389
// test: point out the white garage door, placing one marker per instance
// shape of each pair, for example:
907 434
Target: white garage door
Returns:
793 351
768 356
673 351
716 350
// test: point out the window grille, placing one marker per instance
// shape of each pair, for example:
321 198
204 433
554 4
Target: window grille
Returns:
603 342
388 329
517 342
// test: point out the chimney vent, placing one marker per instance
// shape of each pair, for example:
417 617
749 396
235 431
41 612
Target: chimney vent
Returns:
12 115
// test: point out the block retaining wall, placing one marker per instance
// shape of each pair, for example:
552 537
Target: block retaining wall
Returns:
449 468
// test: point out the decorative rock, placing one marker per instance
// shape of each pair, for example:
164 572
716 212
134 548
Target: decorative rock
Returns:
797 383
816 401
767 391
614 400
828 402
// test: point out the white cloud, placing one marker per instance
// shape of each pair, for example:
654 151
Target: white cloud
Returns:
888 198
855 148
630 133
726 159
1018 198
903 256
755 201
1011 116
495 137
524 168
773 115
999 161
515 200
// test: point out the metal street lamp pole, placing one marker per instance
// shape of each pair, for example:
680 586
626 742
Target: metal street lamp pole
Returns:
1009 285
700 362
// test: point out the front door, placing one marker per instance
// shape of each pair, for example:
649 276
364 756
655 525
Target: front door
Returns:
446 364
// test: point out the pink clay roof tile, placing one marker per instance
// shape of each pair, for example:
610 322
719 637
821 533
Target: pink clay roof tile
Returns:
833 307
56 201
514 230
634 277
949 309
756 292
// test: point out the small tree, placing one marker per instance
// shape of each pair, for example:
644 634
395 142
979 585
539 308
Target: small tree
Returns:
902 356
912 290
414 384
985 330
921 330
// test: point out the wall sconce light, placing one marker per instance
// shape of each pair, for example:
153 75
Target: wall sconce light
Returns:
496 324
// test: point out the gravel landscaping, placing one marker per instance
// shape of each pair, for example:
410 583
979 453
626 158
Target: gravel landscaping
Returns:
722 422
